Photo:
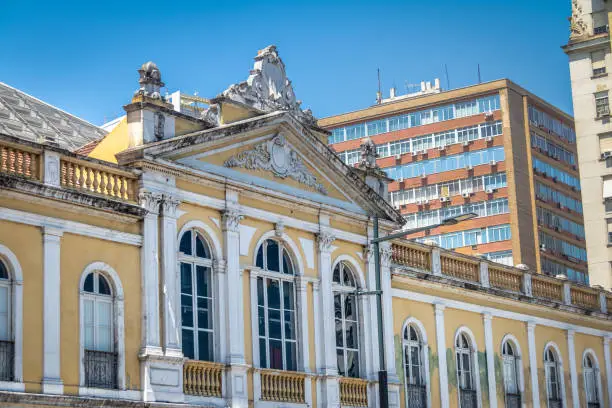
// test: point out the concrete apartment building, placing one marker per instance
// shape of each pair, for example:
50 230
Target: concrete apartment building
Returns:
494 149
588 50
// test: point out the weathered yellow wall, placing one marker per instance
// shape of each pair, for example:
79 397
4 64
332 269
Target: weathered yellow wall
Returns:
26 243
114 142
76 253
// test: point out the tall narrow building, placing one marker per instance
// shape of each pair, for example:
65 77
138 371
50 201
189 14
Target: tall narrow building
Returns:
588 50
494 149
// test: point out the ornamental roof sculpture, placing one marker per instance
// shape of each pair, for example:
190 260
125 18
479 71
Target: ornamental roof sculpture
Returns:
578 27
268 89
368 154
150 81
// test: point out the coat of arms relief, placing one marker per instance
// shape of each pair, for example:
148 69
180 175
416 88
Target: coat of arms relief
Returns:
276 155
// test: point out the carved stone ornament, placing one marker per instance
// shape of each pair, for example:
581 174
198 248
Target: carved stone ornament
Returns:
160 123
325 240
150 201
52 169
231 220
386 254
268 88
279 229
276 156
169 205
578 27
368 155
150 81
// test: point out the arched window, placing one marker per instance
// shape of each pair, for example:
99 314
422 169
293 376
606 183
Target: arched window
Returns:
6 335
466 375
347 320
100 354
512 368
414 367
276 307
197 311
553 385
590 372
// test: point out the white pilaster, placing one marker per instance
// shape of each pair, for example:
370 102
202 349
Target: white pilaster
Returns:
608 364
572 365
490 351
51 382
533 365
387 302
442 363
170 278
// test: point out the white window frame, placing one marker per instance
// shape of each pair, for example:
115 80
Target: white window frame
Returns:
518 360
560 373
596 373
16 318
424 348
475 367
118 327
344 290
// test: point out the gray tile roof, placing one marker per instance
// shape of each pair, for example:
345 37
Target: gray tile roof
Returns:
26 117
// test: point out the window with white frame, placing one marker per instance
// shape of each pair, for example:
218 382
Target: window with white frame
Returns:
602 105
553 373
598 62
511 370
346 313
6 336
414 367
276 307
591 381
466 376
197 309
100 357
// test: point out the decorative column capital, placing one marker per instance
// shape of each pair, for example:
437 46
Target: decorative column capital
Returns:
386 255
439 308
531 326
279 229
150 201
51 232
367 252
169 206
325 240
231 220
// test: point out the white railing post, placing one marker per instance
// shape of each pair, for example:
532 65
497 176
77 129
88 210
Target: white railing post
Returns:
527 291
484 274
436 267
567 293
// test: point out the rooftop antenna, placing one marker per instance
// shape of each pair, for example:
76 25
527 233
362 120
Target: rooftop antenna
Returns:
479 80
447 80
379 93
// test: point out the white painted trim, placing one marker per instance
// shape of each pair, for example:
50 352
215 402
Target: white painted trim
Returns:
23 217
560 371
608 364
571 350
16 319
424 356
296 256
590 352
209 235
470 307
518 356
476 368
118 323
12 386
358 271
442 363
490 355
533 365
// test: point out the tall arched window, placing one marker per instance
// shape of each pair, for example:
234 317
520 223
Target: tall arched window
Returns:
347 320
414 367
276 307
590 372
553 384
466 375
197 311
511 364
6 335
100 353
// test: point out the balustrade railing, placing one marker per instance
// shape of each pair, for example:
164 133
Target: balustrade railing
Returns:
283 386
584 297
203 378
353 392
505 278
416 396
544 287
96 178
460 268
412 256
100 369
20 161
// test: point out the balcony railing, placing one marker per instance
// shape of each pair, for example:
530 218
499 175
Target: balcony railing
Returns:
459 268
7 359
353 392
585 297
203 378
468 398
412 256
100 369
416 396
283 386
20 161
505 278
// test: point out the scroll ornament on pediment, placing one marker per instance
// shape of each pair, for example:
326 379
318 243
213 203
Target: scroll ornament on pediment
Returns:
276 156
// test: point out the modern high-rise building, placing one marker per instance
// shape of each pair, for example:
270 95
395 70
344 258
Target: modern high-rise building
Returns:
589 56
493 149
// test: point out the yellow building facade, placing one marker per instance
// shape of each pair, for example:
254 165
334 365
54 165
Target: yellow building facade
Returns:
227 260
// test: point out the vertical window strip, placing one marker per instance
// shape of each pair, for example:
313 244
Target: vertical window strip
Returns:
458 239
556 174
481 209
544 120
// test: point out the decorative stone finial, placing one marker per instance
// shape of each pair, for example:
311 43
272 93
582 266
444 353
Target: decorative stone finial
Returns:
368 154
430 242
268 89
150 81
522 267
578 27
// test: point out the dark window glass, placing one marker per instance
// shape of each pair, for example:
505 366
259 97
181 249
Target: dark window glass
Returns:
187 310
186 278
287 263
203 280
259 262
274 324
185 245
88 286
262 353
205 313
205 346
289 326
260 292
276 354
288 296
188 344
272 255
290 356
103 286
201 248
273 294
3 271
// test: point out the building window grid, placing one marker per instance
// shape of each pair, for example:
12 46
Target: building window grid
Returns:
346 312
466 380
414 368
553 385
591 381
542 119
552 220
501 257
511 369
602 104
458 239
548 194
423 117
552 268
560 246
552 149
481 209
556 174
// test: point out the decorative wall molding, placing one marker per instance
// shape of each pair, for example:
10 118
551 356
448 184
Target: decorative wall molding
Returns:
150 201
231 220
277 156
325 240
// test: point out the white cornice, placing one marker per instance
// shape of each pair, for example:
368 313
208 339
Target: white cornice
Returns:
72 227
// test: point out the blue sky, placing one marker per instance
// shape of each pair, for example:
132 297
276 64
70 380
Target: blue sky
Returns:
83 56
